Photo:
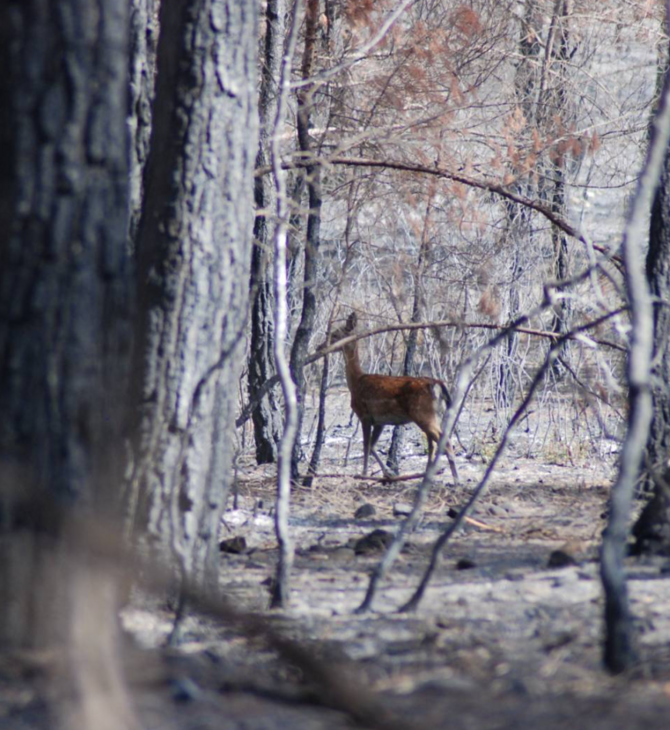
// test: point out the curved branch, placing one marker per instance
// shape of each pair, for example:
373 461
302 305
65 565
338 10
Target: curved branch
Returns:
479 183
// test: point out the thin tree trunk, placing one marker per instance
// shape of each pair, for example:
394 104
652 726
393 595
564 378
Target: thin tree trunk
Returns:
261 365
393 460
555 103
281 592
313 238
320 428
652 529
619 650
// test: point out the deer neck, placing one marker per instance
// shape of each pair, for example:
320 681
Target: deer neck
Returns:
352 362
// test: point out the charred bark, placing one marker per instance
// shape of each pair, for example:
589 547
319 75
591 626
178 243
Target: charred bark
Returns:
652 529
64 292
65 301
193 248
313 237
143 41
266 416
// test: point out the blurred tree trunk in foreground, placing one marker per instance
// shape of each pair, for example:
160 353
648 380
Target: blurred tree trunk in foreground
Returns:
64 288
64 340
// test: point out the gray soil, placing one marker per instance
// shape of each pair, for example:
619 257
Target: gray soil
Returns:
504 637
508 634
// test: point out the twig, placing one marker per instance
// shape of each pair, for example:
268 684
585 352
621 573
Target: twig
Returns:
380 480
359 53
479 183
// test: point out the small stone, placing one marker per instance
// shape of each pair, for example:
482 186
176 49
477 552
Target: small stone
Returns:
497 511
402 509
561 558
465 564
365 510
374 542
235 545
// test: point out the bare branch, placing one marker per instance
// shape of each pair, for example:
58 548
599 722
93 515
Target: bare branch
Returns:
360 53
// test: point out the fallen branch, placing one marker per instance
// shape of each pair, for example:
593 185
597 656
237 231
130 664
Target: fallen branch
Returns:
379 480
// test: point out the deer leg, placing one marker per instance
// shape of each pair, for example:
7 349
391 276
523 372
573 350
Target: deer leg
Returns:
367 446
376 433
449 454
452 462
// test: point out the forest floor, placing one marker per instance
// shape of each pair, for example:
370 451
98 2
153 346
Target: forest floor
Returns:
501 640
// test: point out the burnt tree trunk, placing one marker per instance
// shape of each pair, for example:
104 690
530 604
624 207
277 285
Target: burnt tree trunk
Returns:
267 416
555 105
652 529
619 647
313 237
193 248
64 286
393 460
65 300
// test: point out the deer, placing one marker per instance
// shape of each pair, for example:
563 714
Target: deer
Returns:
391 400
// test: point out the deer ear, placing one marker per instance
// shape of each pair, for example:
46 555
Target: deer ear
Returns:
352 321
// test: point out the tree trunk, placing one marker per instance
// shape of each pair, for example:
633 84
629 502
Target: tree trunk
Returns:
193 248
555 103
313 238
64 283
266 417
64 340
652 529
518 224
393 459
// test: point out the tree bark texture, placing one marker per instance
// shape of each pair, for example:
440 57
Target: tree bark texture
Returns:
193 247
266 417
313 238
64 306
143 41
652 529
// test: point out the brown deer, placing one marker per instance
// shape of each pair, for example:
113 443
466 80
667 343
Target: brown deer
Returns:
389 400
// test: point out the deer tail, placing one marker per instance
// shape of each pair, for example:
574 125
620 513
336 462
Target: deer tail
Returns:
445 393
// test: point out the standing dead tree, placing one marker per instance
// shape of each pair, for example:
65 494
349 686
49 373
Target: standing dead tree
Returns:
619 653
282 591
261 338
313 233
